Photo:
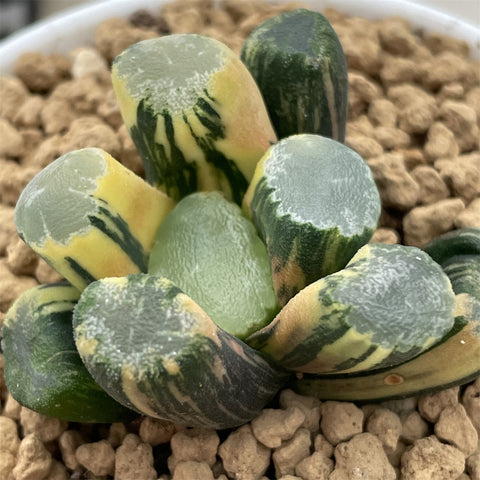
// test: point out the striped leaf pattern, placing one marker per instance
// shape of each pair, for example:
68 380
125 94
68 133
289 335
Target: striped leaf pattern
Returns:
153 349
388 305
75 216
194 113
43 369
299 65
455 360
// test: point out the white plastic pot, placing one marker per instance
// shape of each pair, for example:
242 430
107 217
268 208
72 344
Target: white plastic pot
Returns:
62 32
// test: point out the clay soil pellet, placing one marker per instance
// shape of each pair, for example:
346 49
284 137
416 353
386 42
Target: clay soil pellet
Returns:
414 115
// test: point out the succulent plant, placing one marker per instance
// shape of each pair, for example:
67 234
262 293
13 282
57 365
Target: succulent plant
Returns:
241 264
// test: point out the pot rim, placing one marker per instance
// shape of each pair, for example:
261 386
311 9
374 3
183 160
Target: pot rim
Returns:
62 32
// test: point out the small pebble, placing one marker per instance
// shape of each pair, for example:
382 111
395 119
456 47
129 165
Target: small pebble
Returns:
430 459
291 452
134 459
340 421
273 426
193 444
362 457
243 455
